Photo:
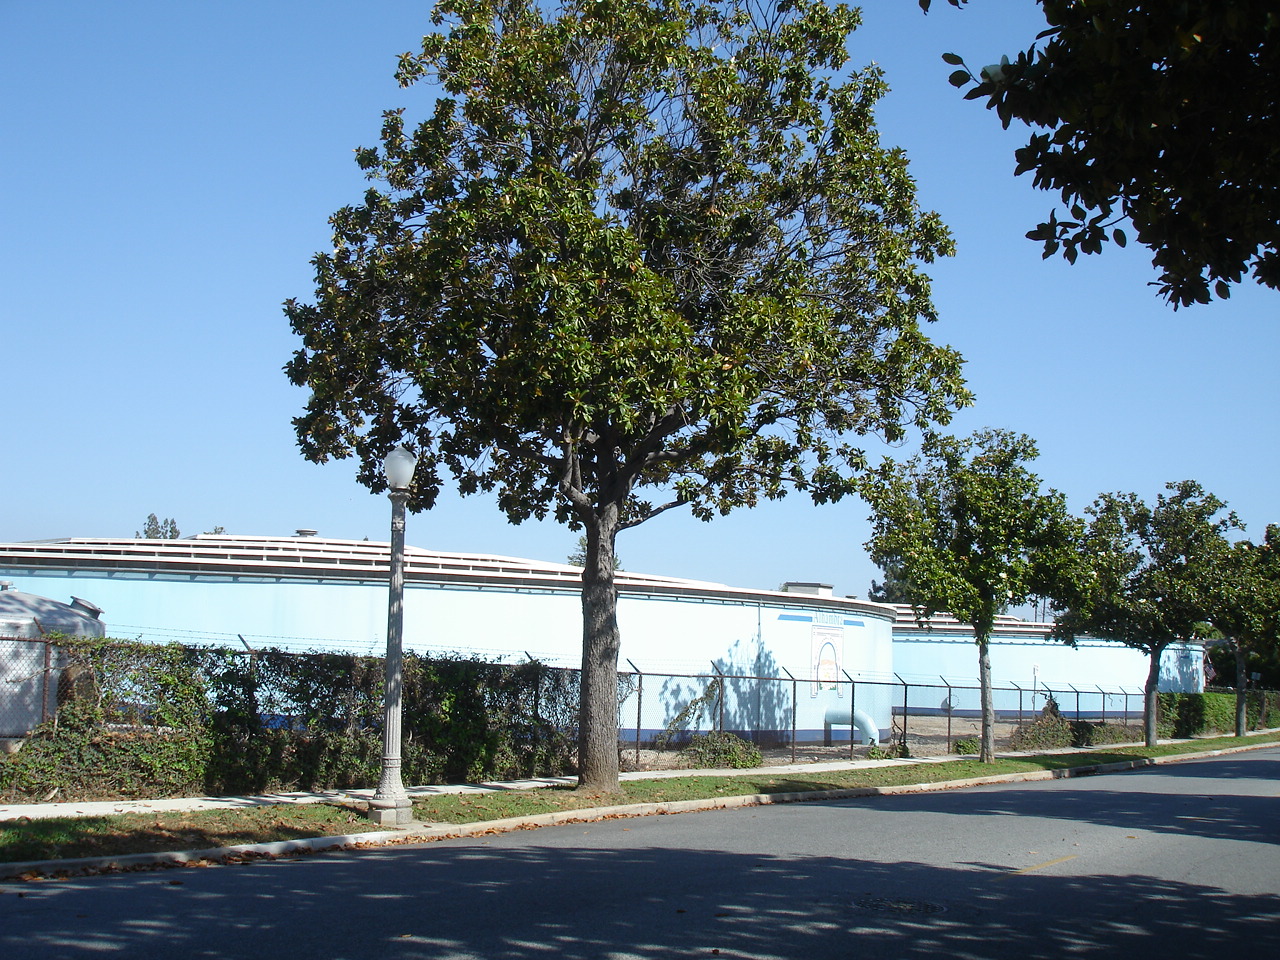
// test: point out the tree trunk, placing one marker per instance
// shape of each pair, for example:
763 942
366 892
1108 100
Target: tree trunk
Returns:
1150 700
1242 691
988 751
598 716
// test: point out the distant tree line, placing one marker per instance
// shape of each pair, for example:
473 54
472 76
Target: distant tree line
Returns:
965 528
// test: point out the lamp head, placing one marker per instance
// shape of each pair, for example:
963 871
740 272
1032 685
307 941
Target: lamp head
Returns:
399 466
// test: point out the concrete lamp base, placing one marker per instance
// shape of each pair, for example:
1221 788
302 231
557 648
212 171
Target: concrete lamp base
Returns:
393 814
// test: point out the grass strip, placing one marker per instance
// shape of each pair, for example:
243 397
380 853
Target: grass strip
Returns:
65 838
472 808
120 834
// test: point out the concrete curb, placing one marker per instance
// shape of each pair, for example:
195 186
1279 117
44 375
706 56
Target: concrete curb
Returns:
423 833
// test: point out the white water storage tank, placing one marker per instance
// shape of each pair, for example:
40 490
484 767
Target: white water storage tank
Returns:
28 661
26 615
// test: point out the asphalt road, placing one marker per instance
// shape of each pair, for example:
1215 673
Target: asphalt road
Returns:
1173 862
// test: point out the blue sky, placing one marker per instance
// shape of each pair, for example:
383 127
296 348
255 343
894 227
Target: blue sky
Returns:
168 170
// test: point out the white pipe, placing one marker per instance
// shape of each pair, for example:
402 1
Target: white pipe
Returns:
863 722
870 731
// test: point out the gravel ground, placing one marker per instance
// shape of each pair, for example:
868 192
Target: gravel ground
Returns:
926 737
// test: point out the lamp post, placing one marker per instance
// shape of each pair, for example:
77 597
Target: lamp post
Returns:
390 805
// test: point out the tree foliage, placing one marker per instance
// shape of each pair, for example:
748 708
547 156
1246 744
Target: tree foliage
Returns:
969 527
895 587
1154 574
156 529
641 254
1162 114
1245 607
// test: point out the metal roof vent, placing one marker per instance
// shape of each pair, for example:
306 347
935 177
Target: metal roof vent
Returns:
306 532
807 588
87 608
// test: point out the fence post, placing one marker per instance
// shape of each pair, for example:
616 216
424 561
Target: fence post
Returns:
906 690
720 677
639 706
251 688
44 681
949 706
537 696
795 701
758 684
1073 687
853 706
1019 689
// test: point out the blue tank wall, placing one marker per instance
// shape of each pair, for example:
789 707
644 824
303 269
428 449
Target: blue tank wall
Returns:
819 644
661 634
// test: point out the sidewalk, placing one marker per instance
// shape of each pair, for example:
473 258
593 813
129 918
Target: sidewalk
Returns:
100 808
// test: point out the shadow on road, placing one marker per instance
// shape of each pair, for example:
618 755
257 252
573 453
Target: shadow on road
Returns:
1216 813
456 900
600 891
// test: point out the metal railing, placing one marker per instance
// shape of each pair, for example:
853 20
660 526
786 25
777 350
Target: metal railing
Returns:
29 670
785 715
789 715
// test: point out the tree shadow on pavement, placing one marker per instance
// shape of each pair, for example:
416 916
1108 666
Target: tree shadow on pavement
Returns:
1216 813
507 899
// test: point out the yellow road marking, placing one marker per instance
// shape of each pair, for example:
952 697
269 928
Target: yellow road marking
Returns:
1041 866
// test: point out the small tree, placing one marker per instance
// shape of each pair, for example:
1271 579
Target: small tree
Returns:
156 529
968 525
642 254
1152 575
1245 599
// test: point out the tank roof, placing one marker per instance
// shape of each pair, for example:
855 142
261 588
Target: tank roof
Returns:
28 615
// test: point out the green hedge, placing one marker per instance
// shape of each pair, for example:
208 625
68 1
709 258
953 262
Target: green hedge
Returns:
1085 734
1181 715
138 720
1195 714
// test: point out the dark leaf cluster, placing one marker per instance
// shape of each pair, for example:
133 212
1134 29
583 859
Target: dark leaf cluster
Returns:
1161 114
641 254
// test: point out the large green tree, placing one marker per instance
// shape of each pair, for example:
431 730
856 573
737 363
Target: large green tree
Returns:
1162 114
641 254
973 533
1245 598
1153 574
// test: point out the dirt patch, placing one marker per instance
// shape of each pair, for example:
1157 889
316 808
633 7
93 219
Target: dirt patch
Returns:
926 737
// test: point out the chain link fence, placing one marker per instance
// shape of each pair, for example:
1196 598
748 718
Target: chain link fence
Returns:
29 671
261 711
791 718
99 719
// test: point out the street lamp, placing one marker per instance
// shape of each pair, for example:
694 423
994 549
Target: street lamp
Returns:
390 805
